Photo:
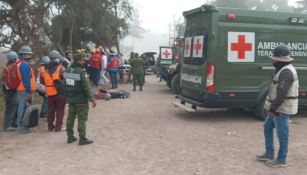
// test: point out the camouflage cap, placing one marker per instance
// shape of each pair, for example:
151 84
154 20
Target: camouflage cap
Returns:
79 56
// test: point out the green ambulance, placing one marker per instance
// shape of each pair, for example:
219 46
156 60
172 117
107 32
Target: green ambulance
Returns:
226 63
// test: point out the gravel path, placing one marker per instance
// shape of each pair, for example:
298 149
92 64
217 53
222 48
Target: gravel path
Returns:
145 134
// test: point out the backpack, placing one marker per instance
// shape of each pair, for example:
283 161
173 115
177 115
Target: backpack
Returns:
119 94
10 76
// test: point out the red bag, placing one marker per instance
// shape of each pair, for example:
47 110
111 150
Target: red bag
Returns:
10 76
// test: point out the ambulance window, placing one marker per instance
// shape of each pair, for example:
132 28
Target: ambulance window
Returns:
197 53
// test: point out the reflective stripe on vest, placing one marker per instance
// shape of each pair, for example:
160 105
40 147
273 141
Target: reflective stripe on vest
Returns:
21 86
290 104
49 80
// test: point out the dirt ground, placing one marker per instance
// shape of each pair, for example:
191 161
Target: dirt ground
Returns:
146 134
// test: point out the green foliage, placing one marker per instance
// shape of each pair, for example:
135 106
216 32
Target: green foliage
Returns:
100 21
25 19
301 6
63 23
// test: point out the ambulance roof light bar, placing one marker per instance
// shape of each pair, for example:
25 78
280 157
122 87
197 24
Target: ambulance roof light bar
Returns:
295 20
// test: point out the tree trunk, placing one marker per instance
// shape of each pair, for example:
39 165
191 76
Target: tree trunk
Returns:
116 31
71 32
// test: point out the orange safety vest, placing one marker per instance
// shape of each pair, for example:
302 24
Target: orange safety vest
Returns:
49 80
21 86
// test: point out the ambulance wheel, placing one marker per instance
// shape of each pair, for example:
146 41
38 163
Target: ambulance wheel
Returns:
175 83
259 110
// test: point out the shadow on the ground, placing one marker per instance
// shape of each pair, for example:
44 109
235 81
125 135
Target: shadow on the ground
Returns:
218 115
166 91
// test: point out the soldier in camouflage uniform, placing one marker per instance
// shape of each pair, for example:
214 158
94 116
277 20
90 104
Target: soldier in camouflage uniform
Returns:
78 95
138 71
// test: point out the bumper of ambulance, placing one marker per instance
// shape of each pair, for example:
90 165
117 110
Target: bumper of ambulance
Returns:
190 100
220 99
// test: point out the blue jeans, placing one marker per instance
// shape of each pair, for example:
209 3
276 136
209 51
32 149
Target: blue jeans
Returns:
281 123
103 77
113 77
44 109
22 99
95 75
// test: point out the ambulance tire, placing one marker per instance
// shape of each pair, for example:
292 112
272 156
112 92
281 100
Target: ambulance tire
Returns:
259 110
175 84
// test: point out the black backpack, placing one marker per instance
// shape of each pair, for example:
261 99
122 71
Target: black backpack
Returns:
119 94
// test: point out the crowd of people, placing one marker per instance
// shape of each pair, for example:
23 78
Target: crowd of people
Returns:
59 81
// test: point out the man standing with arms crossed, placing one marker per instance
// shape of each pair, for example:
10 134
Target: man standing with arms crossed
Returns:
78 95
281 102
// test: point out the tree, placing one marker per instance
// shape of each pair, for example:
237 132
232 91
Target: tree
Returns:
23 22
64 23
231 4
301 6
103 22
269 5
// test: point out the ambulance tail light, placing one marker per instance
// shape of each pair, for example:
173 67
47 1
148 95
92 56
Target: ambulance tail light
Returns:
177 56
231 16
210 86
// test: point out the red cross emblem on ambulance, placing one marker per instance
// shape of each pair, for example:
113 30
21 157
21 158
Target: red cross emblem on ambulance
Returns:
187 46
198 46
166 53
241 47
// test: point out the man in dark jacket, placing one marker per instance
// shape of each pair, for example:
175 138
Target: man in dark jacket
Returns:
10 98
66 62
78 95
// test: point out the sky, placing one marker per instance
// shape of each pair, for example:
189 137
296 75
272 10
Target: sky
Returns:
155 17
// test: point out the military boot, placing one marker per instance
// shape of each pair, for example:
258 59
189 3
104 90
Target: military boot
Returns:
141 89
71 139
85 141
